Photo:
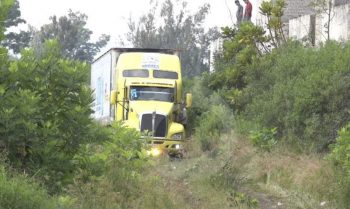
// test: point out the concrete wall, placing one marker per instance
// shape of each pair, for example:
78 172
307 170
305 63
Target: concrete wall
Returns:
300 27
340 23
257 18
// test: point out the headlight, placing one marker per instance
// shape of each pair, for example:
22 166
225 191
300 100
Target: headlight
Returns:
154 152
177 136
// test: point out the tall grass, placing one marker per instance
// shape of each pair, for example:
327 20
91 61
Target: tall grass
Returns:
18 192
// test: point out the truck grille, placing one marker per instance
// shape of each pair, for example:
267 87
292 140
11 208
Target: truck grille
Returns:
159 124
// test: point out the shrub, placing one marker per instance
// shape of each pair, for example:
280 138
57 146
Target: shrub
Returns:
212 124
110 171
209 115
45 114
17 193
201 102
264 139
300 91
340 156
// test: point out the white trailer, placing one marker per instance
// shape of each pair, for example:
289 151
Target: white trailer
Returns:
103 80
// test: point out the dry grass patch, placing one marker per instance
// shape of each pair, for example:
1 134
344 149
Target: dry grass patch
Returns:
294 179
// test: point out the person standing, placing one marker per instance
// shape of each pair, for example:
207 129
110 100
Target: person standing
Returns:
248 11
239 13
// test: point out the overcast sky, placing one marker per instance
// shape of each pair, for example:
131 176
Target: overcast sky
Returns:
110 16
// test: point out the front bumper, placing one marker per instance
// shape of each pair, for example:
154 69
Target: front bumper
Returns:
173 148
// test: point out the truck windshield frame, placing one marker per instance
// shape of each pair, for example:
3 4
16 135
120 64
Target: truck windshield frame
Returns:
151 93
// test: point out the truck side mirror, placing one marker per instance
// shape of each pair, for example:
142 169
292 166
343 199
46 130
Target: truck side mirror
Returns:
113 99
188 100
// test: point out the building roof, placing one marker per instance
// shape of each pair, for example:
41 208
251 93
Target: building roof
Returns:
341 2
296 8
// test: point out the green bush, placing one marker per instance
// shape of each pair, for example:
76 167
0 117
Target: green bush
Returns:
209 115
109 171
18 193
212 124
302 92
45 114
201 102
340 156
264 139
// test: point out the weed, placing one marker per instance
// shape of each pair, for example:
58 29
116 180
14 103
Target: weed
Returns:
239 200
264 139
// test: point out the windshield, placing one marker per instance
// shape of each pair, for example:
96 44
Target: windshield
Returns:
165 74
151 93
136 73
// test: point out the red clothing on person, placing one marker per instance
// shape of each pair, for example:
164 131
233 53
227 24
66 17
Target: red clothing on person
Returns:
248 10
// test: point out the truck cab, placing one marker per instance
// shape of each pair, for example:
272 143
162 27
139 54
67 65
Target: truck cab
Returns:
146 94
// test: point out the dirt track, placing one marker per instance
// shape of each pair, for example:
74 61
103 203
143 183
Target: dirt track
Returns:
188 183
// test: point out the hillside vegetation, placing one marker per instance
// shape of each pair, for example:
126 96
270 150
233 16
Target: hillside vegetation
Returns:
231 162
269 129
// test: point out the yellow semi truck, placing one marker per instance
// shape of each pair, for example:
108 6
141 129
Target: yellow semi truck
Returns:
143 89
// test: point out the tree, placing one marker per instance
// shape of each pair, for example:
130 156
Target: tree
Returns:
16 41
242 46
178 30
73 36
14 16
325 7
273 11
5 5
44 113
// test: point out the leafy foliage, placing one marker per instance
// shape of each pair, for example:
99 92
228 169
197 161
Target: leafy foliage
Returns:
5 6
273 10
264 139
297 90
17 192
120 144
16 40
340 150
300 91
242 46
340 156
14 15
201 101
46 130
178 30
110 172
209 116
72 35
45 113
239 199
212 124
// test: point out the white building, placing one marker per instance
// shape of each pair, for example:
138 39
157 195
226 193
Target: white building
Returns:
312 26
301 22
